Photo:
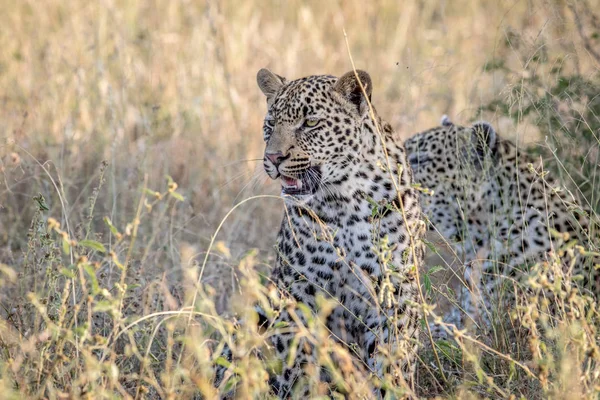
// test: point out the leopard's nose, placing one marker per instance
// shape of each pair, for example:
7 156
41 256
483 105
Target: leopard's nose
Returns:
275 158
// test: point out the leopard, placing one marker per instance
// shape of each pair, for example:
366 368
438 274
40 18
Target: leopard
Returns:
501 211
349 200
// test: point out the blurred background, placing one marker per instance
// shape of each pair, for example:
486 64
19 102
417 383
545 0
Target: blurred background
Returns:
167 88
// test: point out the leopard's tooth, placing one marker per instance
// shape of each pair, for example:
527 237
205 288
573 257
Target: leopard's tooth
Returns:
299 184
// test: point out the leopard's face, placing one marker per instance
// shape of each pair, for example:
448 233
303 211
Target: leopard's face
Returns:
453 161
311 134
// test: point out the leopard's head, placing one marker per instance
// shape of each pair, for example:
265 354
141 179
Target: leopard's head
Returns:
454 162
312 129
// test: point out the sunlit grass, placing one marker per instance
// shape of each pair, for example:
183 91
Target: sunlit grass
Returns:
130 130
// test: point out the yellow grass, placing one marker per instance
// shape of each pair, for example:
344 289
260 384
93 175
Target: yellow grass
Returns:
167 88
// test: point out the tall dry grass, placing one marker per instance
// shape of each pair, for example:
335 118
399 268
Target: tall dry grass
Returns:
167 88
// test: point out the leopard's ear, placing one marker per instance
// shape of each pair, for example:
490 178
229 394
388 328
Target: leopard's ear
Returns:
349 87
485 140
445 121
269 82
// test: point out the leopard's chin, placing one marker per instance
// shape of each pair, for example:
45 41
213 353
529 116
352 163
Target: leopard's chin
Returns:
304 184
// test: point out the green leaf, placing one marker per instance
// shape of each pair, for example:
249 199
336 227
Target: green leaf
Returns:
92 244
81 330
222 361
67 272
177 196
451 292
103 306
231 383
435 269
280 324
112 228
41 201
66 247
374 205
92 274
427 283
305 310
430 246
449 350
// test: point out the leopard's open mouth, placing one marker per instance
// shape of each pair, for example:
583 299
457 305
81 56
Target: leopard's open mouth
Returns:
305 183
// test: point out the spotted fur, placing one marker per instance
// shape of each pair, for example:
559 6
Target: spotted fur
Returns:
342 204
494 203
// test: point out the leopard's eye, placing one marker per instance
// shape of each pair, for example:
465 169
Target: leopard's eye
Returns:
268 128
418 160
311 123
